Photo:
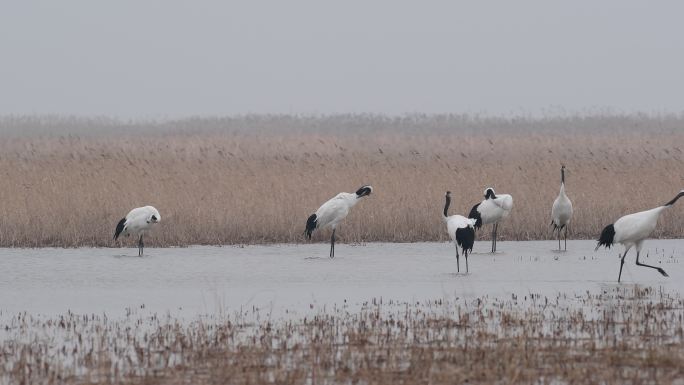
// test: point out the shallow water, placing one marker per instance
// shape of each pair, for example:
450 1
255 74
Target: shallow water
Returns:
301 279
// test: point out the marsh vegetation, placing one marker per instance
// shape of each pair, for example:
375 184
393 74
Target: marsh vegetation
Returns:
627 334
255 179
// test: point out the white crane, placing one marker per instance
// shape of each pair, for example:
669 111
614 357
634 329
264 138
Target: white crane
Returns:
461 231
631 230
491 210
137 222
333 212
561 212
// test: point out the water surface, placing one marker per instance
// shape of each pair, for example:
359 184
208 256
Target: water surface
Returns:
301 278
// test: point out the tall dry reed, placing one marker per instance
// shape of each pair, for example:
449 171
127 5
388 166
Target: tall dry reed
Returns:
255 179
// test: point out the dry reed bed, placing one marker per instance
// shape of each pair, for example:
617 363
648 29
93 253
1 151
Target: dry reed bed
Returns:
255 179
625 335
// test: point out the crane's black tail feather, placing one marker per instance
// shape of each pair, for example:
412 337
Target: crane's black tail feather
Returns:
556 227
119 228
465 237
607 237
310 225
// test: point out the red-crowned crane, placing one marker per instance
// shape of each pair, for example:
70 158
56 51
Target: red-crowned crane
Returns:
561 212
461 231
333 212
137 222
631 231
491 210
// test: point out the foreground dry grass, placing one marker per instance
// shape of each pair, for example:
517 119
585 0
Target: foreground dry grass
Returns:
66 182
626 335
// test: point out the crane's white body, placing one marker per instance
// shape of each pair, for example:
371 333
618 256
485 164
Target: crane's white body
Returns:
335 210
631 230
138 222
495 209
561 211
455 222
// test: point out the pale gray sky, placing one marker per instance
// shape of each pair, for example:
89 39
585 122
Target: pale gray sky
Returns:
168 58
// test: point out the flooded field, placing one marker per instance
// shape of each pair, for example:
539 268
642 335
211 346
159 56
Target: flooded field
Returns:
376 314
300 278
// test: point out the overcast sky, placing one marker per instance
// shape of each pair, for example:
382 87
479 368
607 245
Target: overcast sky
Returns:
168 58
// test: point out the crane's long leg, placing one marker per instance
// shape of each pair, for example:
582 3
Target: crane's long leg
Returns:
141 246
660 270
496 240
622 262
496 232
496 236
493 236
458 269
559 239
566 238
332 244
466 255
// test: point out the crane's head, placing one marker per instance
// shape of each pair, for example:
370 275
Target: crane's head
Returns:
448 194
489 193
674 200
563 173
154 216
364 191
